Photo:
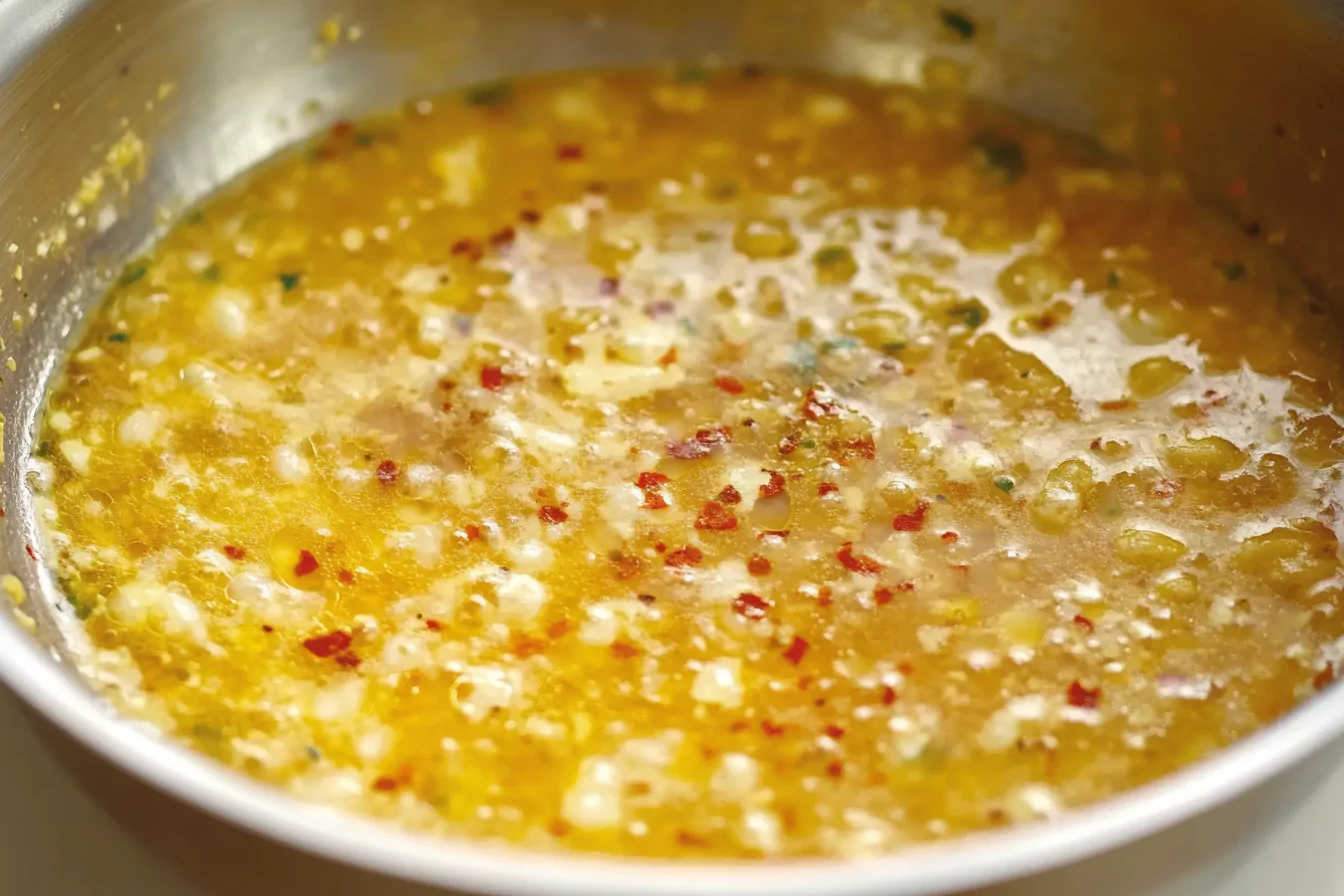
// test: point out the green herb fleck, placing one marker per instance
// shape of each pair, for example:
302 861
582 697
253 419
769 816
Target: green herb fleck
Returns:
687 324
491 93
195 216
1004 484
1232 270
290 395
830 256
1000 155
805 357
691 74
314 754
1112 280
365 138
892 348
971 314
118 337
958 22
290 279
840 344
808 443
1024 374
211 274
43 450
133 273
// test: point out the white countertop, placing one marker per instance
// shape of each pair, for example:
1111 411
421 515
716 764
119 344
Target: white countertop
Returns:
56 839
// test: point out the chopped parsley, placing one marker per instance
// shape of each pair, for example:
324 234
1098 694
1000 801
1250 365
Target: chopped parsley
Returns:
958 22
290 279
971 314
691 74
491 93
1232 270
1004 484
1112 280
1000 155
830 256
133 273
211 274
118 337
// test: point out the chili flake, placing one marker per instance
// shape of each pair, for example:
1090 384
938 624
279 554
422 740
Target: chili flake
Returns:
701 444
751 606
714 517
857 562
729 384
1084 623
569 152
552 515
758 565
233 552
330 644
307 564
651 485
730 495
687 556
491 378
774 487
912 521
388 472
827 488
797 649
1082 697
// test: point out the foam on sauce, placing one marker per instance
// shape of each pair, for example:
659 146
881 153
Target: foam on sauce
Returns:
710 464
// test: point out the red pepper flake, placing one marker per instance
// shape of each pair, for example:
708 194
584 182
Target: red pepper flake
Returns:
348 660
701 444
623 651
834 732
835 768
797 650
730 495
912 521
552 515
434 625
342 128
1166 488
1123 404
628 566
647 598
558 629
1084 623
503 237
789 444
883 596
470 248
524 647
888 695
905 667
714 517
824 596
307 564
529 216
751 606
388 472
233 552
669 357
774 486
608 286
860 447
491 378
32 554
686 838
950 537
1083 698
559 827
772 729
687 556
859 563
385 784
1324 677
729 384
345 576
330 644
827 488
758 565
569 152
268 629
815 407
660 547
651 485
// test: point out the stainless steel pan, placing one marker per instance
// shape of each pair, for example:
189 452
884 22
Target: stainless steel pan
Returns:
1244 98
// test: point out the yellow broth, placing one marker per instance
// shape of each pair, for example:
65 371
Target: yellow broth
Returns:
702 463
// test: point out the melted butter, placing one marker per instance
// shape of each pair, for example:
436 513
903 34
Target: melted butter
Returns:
769 465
